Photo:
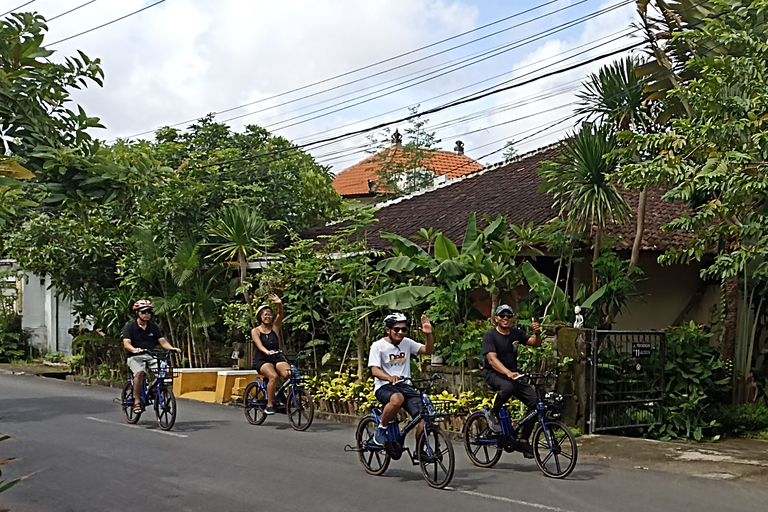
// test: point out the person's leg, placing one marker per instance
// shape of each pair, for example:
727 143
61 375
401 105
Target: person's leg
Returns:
284 369
138 382
527 395
392 400
391 409
412 404
504 389
267 370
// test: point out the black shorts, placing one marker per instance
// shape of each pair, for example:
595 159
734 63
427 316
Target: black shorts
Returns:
262 358
412 402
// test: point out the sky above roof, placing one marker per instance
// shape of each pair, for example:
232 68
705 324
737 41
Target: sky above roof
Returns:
182 59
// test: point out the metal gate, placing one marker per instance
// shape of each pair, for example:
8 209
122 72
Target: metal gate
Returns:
626 379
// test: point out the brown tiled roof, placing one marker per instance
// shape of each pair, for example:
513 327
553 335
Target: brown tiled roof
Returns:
353 181
510 189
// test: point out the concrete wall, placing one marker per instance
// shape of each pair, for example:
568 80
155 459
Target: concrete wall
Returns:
47 317
665 291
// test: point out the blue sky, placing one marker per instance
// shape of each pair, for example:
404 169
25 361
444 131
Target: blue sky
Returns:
181 59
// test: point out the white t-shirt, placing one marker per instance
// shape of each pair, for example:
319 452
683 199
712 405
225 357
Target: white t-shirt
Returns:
394 360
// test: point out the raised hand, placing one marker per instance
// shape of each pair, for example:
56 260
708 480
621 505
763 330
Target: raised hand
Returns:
535 326
274 298
426 325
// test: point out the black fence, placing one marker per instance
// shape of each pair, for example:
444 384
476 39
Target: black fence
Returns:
625 379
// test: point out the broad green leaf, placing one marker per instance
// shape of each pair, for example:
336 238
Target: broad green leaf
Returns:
396 264
11 169
471 234
445 249
594 297
403 298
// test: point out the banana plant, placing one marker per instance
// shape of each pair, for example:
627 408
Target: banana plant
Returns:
562 306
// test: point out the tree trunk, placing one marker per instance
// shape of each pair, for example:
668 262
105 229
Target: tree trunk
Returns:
247 296
595 255
360 336
640 228
207 339
730 323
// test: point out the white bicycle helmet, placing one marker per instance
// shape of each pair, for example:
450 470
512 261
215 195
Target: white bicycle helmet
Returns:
394 318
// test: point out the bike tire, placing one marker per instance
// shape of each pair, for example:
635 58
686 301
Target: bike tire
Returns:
480 441
437 469
375 460
127 401
559 461
165 408
255 403
300 417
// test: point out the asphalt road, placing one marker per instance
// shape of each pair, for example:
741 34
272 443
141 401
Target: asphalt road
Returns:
88 459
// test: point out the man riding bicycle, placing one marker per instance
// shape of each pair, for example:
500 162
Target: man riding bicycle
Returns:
501 371
139 335
390 360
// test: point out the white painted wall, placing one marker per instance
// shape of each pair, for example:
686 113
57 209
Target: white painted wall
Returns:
46 317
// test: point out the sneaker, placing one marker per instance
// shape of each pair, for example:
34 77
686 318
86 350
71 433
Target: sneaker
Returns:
525 449
379 436
493 421
424 456
269 410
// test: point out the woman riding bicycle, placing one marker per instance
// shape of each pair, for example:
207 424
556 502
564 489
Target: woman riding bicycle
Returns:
266 359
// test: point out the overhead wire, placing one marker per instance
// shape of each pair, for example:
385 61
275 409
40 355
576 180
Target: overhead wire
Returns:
357 70
16 8
108 23
71 10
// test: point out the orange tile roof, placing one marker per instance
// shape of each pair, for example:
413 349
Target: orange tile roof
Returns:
353 181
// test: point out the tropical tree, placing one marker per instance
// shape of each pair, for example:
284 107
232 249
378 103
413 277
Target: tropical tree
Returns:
715 159
578 179
616 96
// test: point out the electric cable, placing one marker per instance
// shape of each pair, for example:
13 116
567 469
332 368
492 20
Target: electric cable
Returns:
16 8
71 10
105 24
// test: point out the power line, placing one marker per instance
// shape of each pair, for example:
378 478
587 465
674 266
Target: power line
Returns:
107 23
16 8
495 52
69 11
433 110
347 73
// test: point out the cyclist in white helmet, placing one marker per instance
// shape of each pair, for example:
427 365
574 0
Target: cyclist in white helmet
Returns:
390 359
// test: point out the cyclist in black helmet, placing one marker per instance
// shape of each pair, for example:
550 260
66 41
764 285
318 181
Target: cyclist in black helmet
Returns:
390 359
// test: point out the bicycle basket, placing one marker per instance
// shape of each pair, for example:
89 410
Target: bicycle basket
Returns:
555 403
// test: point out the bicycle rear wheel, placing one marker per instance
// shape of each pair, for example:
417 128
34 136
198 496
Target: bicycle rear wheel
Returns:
127 401
555 451
480 441
255 403
300 409
165 408
375 459
436 467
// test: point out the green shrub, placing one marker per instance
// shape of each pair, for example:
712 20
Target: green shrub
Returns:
691 381
736 420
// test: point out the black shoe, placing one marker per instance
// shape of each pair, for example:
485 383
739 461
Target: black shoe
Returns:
424 457
269 410
525 449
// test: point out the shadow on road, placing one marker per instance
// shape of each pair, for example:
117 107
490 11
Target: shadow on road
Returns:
23 410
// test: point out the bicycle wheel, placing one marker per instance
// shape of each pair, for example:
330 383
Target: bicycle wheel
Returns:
255 403
300 409
375 459
554 449
165 408
438 466
126 398
480 442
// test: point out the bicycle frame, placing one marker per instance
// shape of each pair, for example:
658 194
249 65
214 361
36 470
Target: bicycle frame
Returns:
291 381
157 385
505 419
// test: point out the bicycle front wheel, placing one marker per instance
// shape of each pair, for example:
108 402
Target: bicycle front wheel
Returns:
300 409
554 449
480 441
436 457
375 459
126 398
255 403
165 408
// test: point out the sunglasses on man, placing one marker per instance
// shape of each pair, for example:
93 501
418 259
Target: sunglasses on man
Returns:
400 329
506 315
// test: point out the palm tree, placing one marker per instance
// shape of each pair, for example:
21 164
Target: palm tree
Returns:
242 232
616 96
577 179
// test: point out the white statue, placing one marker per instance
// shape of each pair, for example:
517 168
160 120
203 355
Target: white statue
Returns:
579 321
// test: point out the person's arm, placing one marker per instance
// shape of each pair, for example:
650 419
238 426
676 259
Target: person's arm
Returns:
497 365
535 340
277 322
167 346
129 347
426 328
381 374
257 341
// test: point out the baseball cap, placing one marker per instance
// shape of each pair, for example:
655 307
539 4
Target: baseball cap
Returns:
504 307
